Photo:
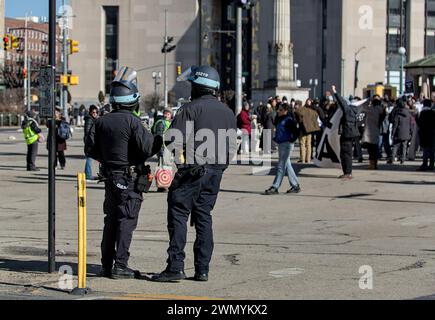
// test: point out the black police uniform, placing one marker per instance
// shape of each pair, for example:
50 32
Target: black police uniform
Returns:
118 140
196 186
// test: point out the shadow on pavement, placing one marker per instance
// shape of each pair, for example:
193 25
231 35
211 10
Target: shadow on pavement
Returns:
421 183
42 266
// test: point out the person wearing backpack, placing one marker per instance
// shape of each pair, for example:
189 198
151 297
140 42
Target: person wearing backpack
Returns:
348 131
63 133
287 132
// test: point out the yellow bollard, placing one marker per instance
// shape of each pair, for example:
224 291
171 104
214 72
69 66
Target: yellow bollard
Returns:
81 204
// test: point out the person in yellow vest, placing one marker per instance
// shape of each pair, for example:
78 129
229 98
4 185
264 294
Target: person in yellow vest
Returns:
32 133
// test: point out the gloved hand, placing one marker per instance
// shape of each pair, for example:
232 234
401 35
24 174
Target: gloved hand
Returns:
157 144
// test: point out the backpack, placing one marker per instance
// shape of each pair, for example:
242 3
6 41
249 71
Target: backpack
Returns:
63 131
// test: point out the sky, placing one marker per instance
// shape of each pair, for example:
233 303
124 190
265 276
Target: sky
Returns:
18 8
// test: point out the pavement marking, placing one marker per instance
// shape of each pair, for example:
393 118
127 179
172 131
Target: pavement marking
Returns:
160 297
286 272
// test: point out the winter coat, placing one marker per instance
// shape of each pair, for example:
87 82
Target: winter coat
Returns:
307 119
374 117
244 121
401 119
348 125
426 127
285 129
89 121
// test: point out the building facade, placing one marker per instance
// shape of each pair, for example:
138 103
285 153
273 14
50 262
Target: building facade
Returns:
347 43
356 43
37 47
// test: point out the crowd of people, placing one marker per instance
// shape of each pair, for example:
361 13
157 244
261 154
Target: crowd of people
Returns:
389 129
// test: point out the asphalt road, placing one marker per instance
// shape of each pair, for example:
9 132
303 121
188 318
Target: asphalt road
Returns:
306 246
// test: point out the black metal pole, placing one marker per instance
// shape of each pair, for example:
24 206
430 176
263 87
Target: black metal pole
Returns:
52 145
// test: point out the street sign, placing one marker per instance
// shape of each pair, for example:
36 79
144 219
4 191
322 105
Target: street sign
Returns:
409 86
46 91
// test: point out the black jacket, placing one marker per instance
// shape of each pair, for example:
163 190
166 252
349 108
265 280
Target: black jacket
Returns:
426 127
89 121
119 140
348 125
400 117
208 113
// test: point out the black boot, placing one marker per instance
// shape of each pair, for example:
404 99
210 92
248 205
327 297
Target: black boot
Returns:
169 276
200 277
123 273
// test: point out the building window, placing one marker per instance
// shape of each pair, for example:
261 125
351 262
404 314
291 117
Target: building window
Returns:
111 45
430 27
396 32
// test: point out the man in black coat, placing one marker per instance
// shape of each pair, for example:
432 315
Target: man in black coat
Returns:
400 117
348 132
89 121
426 131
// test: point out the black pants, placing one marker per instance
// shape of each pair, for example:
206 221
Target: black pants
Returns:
62 160
196 196
32 152
346 145
121 207
400 146
373 150
358 153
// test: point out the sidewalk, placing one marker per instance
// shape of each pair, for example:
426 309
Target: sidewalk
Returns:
305 246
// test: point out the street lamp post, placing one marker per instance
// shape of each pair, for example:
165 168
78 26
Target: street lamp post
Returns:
156 76
356 70
402 52
296 66
313 84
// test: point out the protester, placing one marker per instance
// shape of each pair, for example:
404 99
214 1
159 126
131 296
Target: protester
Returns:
374 114
63 133
32 135
244 123
348 132
307 119
286 135
414 141
89 122
401 120
267 120
426 126
384 139
159 129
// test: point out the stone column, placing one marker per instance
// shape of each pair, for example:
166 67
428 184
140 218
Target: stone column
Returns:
280 48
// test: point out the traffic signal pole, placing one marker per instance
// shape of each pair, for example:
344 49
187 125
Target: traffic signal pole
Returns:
52 145
29 82
25 65
239 61
165 72
64 91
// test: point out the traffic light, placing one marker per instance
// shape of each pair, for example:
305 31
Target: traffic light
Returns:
73 46
178 70
6 43
167 47
73 80
15 42
24 73
63 80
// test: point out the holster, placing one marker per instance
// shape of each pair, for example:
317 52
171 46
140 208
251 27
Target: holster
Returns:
187 176
142 182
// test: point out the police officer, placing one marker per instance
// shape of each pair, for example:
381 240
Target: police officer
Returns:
119 141
196 185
